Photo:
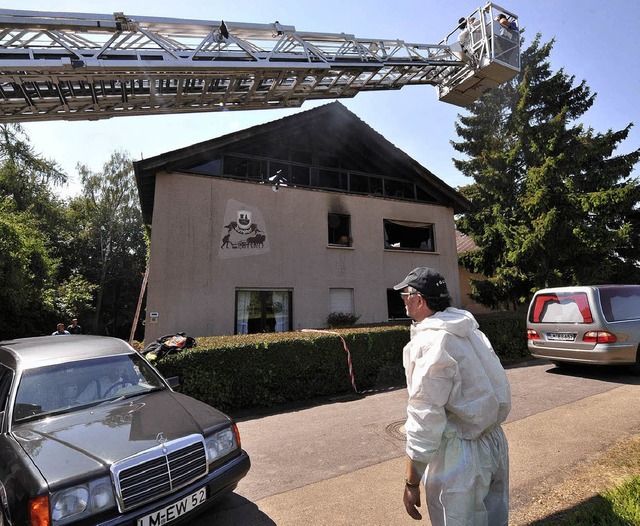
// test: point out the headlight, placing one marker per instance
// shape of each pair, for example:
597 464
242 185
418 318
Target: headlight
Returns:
82 500
221 443
70 502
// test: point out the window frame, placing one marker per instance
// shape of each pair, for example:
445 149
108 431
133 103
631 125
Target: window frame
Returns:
395 306
263 309
339 231
397 226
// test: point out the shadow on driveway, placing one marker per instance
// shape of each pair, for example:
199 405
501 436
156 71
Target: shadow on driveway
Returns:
231 510
605 373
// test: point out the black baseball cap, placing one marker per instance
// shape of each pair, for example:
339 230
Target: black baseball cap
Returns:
427 281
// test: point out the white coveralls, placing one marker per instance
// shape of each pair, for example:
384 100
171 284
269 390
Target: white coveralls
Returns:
459 395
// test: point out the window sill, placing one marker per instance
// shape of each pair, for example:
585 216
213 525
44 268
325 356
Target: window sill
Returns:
340 246
411 250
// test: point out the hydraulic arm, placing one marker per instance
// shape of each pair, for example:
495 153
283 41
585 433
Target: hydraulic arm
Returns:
90 66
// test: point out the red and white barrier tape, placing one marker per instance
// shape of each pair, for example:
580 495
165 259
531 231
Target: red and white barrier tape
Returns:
344 344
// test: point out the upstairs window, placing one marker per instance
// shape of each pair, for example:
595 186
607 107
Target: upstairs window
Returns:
406 235
339 230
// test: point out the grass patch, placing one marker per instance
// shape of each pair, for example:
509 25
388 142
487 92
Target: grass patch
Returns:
604 492
617 507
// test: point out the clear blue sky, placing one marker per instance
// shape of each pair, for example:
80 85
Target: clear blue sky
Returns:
595 41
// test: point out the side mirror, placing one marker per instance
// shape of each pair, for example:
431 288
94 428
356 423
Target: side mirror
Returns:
173 382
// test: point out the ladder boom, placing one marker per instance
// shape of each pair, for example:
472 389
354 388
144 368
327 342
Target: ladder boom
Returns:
89 66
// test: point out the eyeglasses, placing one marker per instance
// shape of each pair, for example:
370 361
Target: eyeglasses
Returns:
407 294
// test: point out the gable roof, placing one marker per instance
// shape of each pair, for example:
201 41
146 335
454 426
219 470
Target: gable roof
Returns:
331 127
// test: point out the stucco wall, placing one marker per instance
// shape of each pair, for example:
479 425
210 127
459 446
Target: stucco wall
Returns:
192 288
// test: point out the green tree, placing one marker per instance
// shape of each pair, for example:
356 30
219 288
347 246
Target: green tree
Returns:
32 230
554 203
26 271
74 297
109 242
27 176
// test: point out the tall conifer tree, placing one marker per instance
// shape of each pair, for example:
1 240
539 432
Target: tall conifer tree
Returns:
554 201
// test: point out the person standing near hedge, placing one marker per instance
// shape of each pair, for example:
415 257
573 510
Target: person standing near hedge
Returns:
459 395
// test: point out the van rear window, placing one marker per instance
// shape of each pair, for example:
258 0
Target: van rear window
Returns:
561 308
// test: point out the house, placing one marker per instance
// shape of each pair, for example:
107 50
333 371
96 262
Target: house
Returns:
274 227
465 244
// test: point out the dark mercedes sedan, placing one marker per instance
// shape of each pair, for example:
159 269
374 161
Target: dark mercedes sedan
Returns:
91 434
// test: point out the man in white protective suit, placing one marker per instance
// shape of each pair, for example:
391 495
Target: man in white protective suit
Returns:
459 395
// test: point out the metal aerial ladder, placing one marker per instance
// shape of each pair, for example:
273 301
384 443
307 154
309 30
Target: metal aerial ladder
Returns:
89 66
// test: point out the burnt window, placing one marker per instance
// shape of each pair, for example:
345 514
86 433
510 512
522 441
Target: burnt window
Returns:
339 230
407 235
300 175
399 189
212 167
236 166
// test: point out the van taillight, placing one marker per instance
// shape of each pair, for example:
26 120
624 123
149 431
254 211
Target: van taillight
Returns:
532 335
599 337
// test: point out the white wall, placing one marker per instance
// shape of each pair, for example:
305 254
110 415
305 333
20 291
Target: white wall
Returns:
193 289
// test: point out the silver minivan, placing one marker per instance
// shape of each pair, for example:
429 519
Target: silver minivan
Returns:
597 324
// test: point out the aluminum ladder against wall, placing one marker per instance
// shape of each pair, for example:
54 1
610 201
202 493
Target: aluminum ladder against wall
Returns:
56 65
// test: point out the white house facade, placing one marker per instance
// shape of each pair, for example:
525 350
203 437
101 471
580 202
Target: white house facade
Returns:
275 227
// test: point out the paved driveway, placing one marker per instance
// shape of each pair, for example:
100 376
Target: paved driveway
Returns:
342 462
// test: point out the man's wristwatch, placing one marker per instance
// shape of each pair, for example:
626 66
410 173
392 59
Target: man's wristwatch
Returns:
411 484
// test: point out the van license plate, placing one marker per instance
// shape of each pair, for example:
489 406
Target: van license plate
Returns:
175 510
561 336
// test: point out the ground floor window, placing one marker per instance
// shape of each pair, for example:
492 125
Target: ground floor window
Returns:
263 311
395 305
341 300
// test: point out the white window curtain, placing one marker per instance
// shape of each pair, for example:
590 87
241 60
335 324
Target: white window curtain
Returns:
263 310
242 313
281 309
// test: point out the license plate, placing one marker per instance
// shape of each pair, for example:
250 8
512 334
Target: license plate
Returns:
561 336
175 510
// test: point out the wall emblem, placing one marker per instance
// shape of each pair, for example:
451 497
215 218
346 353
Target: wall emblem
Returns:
243 233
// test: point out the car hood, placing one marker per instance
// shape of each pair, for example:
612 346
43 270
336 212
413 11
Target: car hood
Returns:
83 444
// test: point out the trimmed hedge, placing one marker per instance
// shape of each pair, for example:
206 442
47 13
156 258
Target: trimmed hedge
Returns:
265 370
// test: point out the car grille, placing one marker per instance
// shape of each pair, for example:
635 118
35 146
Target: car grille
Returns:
159 471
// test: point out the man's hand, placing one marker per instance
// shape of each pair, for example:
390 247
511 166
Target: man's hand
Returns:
411 499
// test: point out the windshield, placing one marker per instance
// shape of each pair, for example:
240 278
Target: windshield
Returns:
64 387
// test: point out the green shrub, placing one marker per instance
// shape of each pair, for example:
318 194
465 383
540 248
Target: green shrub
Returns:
341 319
507 332
265 370
238 372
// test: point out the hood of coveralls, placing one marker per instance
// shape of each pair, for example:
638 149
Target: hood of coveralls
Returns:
455 321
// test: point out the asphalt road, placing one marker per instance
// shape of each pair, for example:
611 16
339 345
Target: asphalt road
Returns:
341 461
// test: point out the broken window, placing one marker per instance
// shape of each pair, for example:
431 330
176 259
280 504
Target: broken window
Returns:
339 230
407 235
